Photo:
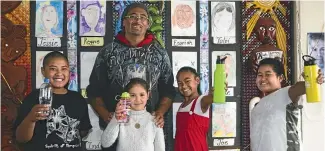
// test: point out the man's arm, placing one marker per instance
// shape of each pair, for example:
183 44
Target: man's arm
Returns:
98 105
166 89
164 105
96 87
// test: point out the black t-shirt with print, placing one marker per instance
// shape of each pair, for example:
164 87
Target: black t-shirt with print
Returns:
61 131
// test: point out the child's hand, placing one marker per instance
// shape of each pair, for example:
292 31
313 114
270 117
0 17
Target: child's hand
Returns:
37 112
119 111
212 89
226 86
226 83
320 78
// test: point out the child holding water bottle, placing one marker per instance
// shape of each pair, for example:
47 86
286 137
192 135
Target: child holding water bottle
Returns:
68 121
139 132
192 118
274 119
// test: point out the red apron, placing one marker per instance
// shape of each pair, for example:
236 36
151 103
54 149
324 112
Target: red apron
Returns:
191 131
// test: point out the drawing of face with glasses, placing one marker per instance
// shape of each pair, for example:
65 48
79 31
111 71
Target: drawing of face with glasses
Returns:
136 22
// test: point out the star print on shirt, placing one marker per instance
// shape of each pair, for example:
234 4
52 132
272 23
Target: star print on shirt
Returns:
64 126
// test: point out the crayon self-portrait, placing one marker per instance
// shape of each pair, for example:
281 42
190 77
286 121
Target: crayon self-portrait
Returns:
49 19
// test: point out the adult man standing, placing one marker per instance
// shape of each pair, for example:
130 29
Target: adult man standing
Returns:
134 53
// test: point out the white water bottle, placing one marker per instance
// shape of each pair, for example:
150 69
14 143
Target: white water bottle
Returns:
46 95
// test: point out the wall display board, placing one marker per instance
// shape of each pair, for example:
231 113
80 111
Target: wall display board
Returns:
193 33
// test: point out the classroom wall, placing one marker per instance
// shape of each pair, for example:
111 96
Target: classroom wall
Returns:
311 19
313 116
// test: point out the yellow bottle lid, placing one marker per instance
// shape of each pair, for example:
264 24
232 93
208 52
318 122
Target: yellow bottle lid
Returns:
125 95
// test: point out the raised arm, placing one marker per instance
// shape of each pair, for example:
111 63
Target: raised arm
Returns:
299 88
296 90
206 102
25 130
208 99
27 117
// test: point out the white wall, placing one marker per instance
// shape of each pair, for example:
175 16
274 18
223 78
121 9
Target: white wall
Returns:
313 115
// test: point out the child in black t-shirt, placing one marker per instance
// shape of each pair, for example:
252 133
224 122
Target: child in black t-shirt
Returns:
68 122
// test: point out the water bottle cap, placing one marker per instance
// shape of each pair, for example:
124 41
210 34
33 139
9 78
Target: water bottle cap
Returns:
221 60
125 95
46 80
310 61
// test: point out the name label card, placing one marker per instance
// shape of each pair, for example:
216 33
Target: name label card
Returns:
224 142
48 42
183 42
92 41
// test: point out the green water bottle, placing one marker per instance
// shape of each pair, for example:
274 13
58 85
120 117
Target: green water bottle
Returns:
219 93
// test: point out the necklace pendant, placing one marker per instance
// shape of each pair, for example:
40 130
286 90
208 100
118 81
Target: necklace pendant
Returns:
137 125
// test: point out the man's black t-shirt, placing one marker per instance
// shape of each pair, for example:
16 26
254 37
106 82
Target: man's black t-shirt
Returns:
61 131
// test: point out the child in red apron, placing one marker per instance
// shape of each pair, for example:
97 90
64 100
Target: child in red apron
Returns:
192 119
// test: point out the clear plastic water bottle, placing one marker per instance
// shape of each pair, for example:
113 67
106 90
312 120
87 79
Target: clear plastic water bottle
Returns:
46 95
125 98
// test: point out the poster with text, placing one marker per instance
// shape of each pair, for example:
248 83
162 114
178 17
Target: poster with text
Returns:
182 59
